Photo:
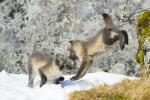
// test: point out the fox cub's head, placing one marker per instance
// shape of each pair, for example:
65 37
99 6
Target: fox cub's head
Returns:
111 28
75 50
64 63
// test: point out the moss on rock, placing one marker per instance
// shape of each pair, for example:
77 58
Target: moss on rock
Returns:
143 32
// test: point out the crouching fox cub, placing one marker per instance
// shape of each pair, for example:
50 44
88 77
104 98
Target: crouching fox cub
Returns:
49 67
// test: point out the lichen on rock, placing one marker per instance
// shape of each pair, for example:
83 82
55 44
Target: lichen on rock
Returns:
27 25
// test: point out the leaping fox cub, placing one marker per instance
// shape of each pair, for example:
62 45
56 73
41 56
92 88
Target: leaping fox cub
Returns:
47 66
102 42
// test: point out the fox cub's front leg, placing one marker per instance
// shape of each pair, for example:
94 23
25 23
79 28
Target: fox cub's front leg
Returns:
83 69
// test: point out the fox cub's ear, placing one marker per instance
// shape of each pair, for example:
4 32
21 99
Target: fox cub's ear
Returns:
71 41
125 36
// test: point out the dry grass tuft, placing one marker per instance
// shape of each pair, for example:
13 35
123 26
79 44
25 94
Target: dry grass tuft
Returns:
125 90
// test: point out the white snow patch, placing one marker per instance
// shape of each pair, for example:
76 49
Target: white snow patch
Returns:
14 86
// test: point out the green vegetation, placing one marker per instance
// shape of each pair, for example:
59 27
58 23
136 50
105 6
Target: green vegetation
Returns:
143 32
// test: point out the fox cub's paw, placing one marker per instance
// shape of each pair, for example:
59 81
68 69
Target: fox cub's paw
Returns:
74 78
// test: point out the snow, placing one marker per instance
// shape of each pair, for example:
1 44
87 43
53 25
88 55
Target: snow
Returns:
14 86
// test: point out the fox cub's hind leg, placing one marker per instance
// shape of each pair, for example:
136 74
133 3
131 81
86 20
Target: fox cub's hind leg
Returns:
30 77
43 78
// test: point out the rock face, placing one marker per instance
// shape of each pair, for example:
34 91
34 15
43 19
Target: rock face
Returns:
147 52
28 25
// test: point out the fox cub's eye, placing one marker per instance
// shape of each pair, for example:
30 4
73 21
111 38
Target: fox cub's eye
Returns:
57 61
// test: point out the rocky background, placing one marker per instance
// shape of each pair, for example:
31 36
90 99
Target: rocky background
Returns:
28 25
